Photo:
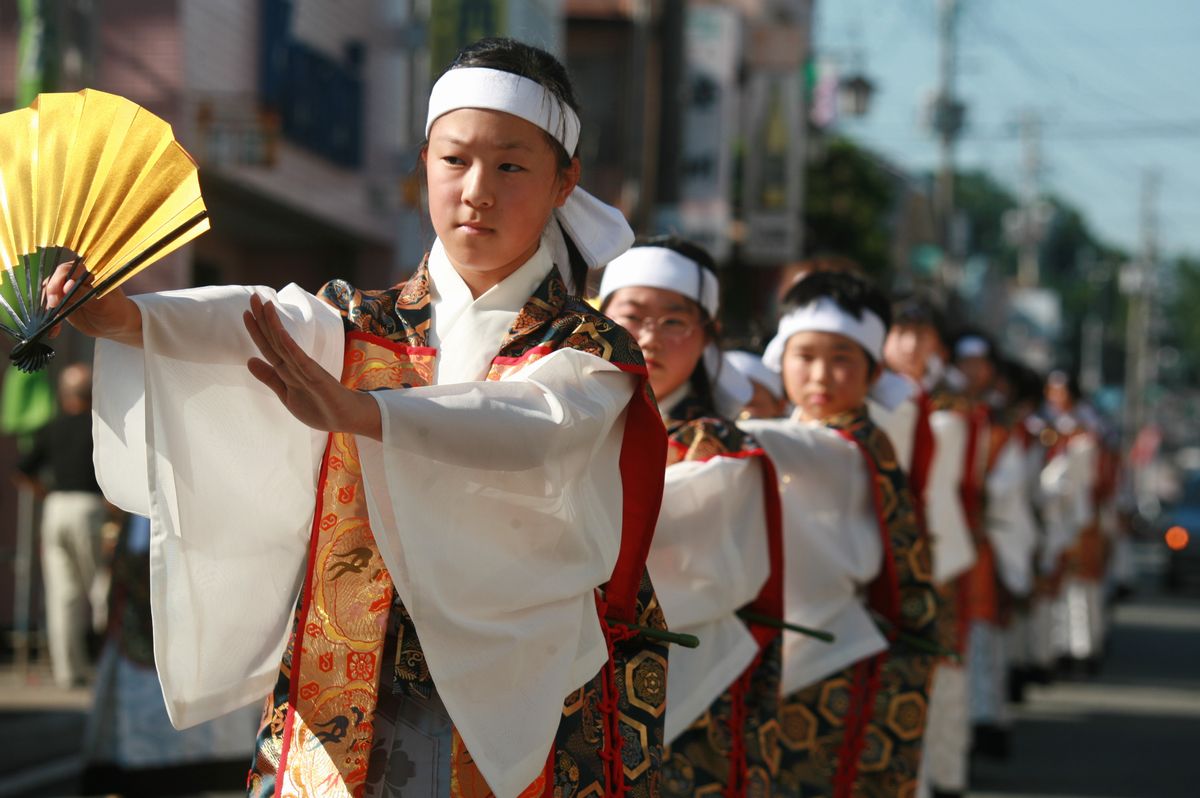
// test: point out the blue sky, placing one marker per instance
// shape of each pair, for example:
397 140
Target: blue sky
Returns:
1115 82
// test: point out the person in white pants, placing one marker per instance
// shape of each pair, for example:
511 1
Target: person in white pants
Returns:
75 578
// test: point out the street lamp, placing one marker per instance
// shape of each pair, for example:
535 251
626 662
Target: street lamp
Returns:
854 95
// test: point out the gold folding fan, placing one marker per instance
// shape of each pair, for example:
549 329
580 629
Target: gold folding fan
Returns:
93 179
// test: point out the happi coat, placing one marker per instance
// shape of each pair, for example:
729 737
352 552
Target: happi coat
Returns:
445 612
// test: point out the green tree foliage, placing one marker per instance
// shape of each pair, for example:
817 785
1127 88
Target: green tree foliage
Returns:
849 200
1183 322
984 201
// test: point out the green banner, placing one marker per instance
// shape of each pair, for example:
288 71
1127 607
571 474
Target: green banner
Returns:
31 51
27 400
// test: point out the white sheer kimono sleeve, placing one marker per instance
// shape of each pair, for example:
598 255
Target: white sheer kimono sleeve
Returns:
186 436
709 558
953 549
1066 487
900 424
832 547
497 507
1009 523
1083 454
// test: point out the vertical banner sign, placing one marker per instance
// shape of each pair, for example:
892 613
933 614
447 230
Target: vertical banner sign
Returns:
775 136
454 23
712 48
27 400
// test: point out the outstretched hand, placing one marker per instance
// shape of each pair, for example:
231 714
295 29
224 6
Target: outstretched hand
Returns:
310 393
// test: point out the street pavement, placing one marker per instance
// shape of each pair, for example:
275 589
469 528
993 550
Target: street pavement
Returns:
1132 731
41 736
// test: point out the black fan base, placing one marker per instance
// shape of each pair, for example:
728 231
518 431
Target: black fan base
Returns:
31 356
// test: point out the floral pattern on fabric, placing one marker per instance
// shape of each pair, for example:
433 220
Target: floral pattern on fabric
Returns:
610 738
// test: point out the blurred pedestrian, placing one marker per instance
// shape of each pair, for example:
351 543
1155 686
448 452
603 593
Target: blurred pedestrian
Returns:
130 747
59 467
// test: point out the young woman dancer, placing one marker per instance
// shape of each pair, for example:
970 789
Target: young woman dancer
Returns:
459 476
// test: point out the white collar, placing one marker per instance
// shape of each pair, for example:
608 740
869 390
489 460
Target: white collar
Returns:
669 402
452 297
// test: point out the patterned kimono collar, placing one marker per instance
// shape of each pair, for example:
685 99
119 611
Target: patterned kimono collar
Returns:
841 421
404 312
848 419
683 405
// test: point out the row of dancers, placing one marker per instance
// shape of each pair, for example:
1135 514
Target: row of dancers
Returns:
471 535
947 515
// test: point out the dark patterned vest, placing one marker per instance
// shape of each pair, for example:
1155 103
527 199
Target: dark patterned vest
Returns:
733 748
858 732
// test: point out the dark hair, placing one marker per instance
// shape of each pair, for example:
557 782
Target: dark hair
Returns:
920 311
509 55
851 292
796 271
1025 384
1068 379
993 354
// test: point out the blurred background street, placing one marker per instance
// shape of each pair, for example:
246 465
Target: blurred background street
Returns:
1033 165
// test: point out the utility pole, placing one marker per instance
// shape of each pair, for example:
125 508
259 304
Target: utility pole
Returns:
948 115
1137 283
1028 271
638 189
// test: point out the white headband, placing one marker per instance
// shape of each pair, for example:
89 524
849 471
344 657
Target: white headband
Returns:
972 346
825 315
599 231
659 267
496 90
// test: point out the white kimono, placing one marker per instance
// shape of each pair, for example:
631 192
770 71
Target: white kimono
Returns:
496 506
709 559
832 546
952 548
947 728
1009 521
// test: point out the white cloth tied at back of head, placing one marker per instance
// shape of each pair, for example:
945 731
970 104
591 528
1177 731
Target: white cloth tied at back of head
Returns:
660 267
825 315
752 366
599 231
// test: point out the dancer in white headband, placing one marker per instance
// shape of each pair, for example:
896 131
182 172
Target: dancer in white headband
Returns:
930 432
857 558
431 503
717 550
